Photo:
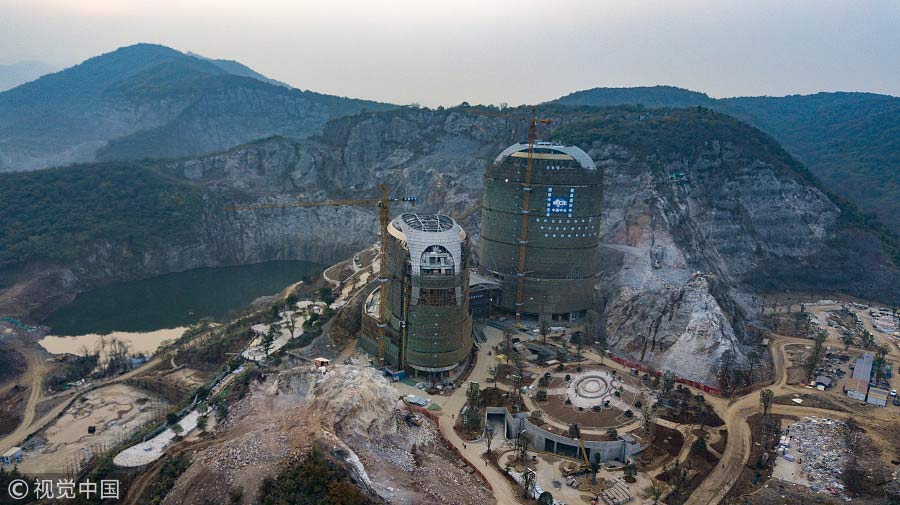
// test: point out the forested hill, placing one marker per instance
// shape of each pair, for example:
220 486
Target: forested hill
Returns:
851 141
151 101
744 208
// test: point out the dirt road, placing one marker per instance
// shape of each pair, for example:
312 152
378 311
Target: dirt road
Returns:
34 377
735 413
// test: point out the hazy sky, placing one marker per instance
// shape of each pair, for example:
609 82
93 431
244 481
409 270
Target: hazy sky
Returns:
443 52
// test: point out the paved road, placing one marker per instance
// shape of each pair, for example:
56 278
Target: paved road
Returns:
450 406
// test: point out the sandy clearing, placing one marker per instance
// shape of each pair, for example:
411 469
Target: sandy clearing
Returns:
146 342
115 411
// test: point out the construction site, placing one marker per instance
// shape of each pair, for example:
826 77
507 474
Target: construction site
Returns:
540 229
422 370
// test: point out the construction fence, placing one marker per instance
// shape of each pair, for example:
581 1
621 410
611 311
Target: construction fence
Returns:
694 384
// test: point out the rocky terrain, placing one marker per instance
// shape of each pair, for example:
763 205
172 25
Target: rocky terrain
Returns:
353 414
850 141
687 191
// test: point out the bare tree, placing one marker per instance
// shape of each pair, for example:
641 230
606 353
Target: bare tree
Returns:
812 362
292 324
507 334
268 340
765 400
489 434
545 330
647 415
522 442
668 382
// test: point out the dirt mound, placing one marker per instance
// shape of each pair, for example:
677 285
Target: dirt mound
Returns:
354 414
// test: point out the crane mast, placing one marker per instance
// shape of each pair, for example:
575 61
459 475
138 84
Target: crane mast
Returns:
526 201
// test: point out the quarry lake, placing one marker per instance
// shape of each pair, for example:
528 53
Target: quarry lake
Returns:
173 301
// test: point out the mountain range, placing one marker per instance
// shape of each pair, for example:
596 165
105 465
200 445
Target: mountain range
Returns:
702 213
850 141
167 140
150 101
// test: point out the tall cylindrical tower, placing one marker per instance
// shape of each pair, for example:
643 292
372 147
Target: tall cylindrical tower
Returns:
428 279
562 235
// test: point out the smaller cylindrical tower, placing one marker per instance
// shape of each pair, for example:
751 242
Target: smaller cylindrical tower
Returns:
427 256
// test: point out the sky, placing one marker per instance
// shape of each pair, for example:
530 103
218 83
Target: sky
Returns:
490 51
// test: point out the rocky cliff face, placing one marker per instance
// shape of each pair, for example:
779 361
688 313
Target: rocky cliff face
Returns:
711 196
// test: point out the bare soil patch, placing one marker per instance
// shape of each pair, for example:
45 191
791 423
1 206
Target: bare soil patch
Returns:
757 472
11 405
810 400
114 412
684 478
556 408
666 444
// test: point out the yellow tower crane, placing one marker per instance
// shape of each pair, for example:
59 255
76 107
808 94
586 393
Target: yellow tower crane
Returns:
384 219
526 200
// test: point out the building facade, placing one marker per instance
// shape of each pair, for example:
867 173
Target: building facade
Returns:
621 450
562 229
429 327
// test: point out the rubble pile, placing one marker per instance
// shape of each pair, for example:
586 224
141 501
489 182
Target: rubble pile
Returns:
820 446
352 411
886 323
357 401
254 449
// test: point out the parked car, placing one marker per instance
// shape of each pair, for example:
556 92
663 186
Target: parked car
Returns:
893 392
897 401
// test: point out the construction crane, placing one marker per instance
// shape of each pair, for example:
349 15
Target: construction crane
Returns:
526 200
383 204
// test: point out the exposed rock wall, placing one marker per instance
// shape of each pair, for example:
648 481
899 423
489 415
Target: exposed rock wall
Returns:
730 209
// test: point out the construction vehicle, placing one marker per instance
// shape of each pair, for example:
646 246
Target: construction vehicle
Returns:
583 467
384 219
412 419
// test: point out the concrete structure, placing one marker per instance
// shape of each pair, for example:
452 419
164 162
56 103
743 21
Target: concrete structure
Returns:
863 367
856 388
12 456
542 440
562 229
483 293
878 396
429 327
823 381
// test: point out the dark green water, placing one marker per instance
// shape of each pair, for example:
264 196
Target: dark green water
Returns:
177 299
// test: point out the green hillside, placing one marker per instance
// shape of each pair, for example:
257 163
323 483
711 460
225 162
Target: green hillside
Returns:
61 214
150 101
851 141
